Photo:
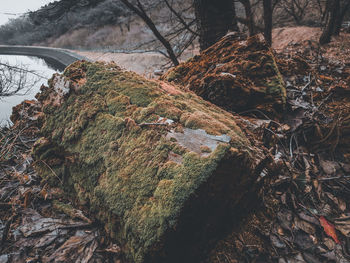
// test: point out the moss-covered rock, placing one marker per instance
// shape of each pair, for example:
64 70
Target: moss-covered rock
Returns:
235 74
161 168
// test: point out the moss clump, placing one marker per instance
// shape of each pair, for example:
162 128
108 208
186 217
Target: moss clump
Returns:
111 135
235 74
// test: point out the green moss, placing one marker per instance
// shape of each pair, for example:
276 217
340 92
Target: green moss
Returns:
68 209
121 168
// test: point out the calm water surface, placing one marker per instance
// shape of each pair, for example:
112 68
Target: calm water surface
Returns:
33 64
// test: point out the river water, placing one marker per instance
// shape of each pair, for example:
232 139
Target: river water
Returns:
43 71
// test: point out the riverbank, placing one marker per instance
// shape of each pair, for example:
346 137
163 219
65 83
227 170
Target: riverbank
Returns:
59 58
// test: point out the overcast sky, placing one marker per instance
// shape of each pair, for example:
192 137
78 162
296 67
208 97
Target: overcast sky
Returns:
18 6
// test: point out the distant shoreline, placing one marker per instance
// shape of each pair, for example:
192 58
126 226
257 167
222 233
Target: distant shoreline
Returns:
59 58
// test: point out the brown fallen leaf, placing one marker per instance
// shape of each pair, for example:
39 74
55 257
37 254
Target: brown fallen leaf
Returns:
342 205
34 224
343 225
329 243
325 78
27 199
328 167
305 226
79 248
329 229
44 193
308 218
113 249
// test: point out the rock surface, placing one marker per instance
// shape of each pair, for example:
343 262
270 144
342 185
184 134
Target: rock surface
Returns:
161 168
235 74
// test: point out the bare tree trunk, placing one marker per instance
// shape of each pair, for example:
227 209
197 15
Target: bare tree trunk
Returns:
139 10
235 21
268 21
214 19
340 18
322 9
249 16
329 29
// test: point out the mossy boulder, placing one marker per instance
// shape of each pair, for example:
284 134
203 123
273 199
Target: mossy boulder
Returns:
235 74
162 169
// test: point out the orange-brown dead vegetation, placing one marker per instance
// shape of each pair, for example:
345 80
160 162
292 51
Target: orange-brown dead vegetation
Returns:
236 73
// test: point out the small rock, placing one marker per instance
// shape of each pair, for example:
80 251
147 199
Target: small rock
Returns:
158 72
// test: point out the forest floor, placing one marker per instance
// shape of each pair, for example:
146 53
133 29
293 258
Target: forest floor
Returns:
304 211
303 214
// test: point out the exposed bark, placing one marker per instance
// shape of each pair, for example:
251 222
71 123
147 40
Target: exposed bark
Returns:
329 28
268 21
340 17
249 16
139 10
215 19
322 9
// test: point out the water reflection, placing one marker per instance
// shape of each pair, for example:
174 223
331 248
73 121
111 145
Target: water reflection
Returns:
41 68
49 62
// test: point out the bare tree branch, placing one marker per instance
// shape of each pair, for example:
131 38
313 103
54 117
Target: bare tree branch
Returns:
14 80
139 10
183 22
